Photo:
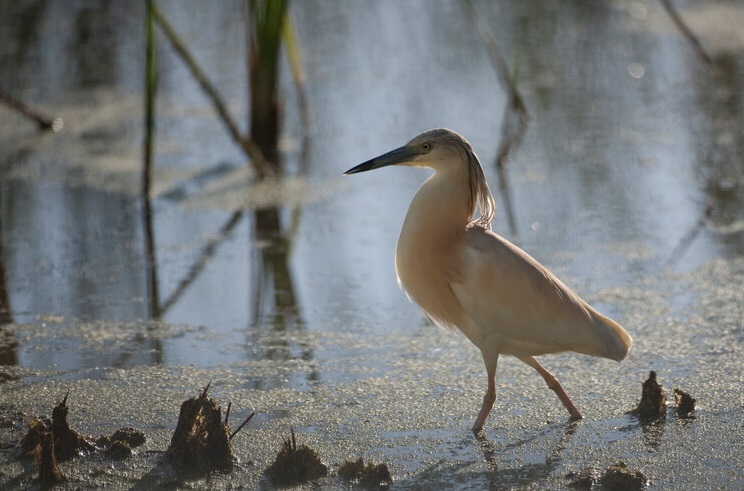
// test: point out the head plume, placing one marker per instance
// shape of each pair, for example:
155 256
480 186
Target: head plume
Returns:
480 197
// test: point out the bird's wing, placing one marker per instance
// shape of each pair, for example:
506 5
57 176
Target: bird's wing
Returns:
523 305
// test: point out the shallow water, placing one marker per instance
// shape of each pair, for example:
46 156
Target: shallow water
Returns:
628 184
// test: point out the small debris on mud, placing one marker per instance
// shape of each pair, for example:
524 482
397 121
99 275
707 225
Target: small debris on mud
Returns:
584 479
653 400
619 477
119 450
685 403
295 465
130 436
370 475
201 440
119 445
615 477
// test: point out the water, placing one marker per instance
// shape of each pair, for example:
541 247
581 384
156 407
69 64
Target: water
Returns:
628 184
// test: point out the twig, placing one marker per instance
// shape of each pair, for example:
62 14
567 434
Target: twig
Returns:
246 143
242 425
686 31
294 54
227 413
41 120
206 389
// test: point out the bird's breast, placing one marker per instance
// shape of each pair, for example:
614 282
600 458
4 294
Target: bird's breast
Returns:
426 265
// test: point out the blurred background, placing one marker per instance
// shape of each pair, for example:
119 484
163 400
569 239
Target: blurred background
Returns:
170 172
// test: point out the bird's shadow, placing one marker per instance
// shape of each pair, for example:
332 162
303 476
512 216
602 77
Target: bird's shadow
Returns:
528 472
497 475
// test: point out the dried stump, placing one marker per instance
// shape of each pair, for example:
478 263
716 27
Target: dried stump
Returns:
201 440
653 400
295 465
685 404
52 441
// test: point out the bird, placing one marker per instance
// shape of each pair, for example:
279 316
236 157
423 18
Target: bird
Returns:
464 276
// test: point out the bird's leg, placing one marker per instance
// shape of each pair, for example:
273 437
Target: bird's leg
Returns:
490 396
554 385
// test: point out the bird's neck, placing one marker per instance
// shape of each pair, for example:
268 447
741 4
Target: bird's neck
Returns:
438 215
426 259
440 207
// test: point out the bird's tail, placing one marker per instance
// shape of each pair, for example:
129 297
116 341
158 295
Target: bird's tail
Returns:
615 340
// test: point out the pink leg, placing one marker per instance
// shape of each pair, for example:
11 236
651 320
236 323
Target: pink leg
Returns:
490 396
554 385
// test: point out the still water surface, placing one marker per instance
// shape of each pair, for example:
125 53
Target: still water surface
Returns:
631 167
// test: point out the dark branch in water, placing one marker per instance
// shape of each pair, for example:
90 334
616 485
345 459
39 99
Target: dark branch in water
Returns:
686 31
241 425
41 120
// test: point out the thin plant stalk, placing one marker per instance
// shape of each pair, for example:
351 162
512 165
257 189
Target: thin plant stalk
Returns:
267 19
294 55
149 143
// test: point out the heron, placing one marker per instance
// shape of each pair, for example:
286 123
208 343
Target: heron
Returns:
464 276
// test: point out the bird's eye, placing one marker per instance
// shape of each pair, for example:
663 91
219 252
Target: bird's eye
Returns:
426 146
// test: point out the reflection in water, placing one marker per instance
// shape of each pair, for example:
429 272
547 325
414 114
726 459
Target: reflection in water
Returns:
274 296
721 152
653 433
598 157
206 253
274 289
528 473
95 44
8 345
726 172
686 241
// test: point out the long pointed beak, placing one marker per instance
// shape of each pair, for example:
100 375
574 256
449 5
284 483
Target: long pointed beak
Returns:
398 156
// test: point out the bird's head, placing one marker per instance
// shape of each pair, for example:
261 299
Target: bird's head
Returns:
442 150
436 149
